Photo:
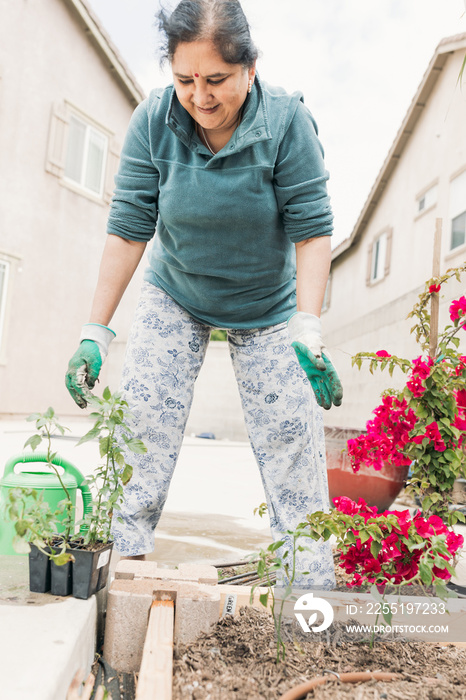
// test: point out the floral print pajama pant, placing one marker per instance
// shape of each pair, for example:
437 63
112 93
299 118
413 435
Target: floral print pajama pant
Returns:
164 354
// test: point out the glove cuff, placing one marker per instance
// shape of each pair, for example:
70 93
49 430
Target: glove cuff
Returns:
101 335
301 323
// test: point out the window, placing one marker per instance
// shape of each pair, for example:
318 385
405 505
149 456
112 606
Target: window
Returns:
427 199
4 275
458 211
379 253
85 155
81 153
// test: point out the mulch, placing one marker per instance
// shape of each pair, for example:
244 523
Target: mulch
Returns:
237 660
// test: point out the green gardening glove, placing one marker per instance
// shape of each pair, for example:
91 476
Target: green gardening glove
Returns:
305 334
85 365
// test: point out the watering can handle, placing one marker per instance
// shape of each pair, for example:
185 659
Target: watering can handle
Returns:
69 468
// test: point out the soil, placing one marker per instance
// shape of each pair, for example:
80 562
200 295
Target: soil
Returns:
237 660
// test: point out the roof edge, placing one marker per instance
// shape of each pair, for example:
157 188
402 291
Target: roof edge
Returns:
107 48
444 48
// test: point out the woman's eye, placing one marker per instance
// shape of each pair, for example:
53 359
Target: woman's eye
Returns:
185 82
217 82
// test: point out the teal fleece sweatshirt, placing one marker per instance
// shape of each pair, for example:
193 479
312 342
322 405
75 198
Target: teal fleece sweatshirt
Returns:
226 224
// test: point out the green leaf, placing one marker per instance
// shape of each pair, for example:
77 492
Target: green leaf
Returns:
107 394
127 474
91 435
33 441
425 573
375 549
264 599
136 445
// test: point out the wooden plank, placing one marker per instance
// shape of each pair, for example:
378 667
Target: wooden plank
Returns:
434 308
155 675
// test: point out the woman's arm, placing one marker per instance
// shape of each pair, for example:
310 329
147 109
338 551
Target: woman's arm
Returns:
313 257
119 262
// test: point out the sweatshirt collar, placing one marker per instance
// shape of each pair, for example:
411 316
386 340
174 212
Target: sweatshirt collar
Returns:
253 128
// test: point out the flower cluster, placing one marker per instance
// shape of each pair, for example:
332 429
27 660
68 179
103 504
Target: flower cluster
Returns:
386 437
424 424
458 309
394 547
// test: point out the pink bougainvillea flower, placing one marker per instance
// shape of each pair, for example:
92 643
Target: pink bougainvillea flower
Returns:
457 308
434 288
416 386
382 353
346 505
454 542
422 367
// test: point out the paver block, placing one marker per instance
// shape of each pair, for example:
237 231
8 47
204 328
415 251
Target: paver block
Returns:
135 569
129 600
232 598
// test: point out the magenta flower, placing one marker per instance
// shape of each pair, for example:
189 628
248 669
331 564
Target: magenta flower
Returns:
457 308
382 353
434 288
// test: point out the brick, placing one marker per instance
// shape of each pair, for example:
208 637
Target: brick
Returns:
232 598
134 569
129 600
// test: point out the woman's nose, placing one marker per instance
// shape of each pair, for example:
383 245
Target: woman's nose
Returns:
201 93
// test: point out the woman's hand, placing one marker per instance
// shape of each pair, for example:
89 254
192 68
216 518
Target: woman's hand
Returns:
119 262
313 257
306 339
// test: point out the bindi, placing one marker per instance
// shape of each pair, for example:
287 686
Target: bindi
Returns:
196 75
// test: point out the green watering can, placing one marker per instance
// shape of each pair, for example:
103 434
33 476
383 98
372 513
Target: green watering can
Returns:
47 482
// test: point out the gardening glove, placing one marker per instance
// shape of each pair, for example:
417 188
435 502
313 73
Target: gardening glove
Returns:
85 365
306 339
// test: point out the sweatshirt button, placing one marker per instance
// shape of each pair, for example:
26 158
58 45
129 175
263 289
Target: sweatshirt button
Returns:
258 133
231 147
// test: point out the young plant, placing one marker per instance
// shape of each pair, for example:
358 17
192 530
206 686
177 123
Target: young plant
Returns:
47 425
281 565
424 424
34 520
110 415
35 524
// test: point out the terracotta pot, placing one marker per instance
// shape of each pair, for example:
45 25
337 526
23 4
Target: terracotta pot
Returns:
377 488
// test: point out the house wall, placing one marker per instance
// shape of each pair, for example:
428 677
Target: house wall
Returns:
54 234
371 318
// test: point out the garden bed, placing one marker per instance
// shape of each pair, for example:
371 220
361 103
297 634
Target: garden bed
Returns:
236 660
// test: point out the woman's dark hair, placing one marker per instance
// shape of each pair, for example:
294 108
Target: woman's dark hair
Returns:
221 21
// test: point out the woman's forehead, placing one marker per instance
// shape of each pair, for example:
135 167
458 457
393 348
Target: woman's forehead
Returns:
200 57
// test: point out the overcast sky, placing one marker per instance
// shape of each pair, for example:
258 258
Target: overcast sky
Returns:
358 63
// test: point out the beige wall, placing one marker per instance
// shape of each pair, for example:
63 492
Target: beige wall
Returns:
362 318
55 234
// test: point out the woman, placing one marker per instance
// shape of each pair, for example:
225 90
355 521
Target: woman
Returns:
231 171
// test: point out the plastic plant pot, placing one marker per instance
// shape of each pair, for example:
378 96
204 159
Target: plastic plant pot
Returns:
39 571
61 579
90 570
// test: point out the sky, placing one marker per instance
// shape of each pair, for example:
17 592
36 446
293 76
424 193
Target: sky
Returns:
357 62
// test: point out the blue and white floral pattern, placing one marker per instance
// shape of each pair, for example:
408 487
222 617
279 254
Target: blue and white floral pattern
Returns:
165 352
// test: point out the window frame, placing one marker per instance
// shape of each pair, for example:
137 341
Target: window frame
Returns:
57 149
386 232
90 128
453 214
422 195
11 262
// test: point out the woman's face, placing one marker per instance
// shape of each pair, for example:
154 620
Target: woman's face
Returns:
211 90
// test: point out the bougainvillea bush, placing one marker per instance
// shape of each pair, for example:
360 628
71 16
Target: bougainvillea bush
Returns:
393 547
424 424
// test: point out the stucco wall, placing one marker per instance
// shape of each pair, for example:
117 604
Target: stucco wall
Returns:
371 318
56 234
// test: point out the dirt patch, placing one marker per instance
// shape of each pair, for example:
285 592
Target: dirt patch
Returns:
237 660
